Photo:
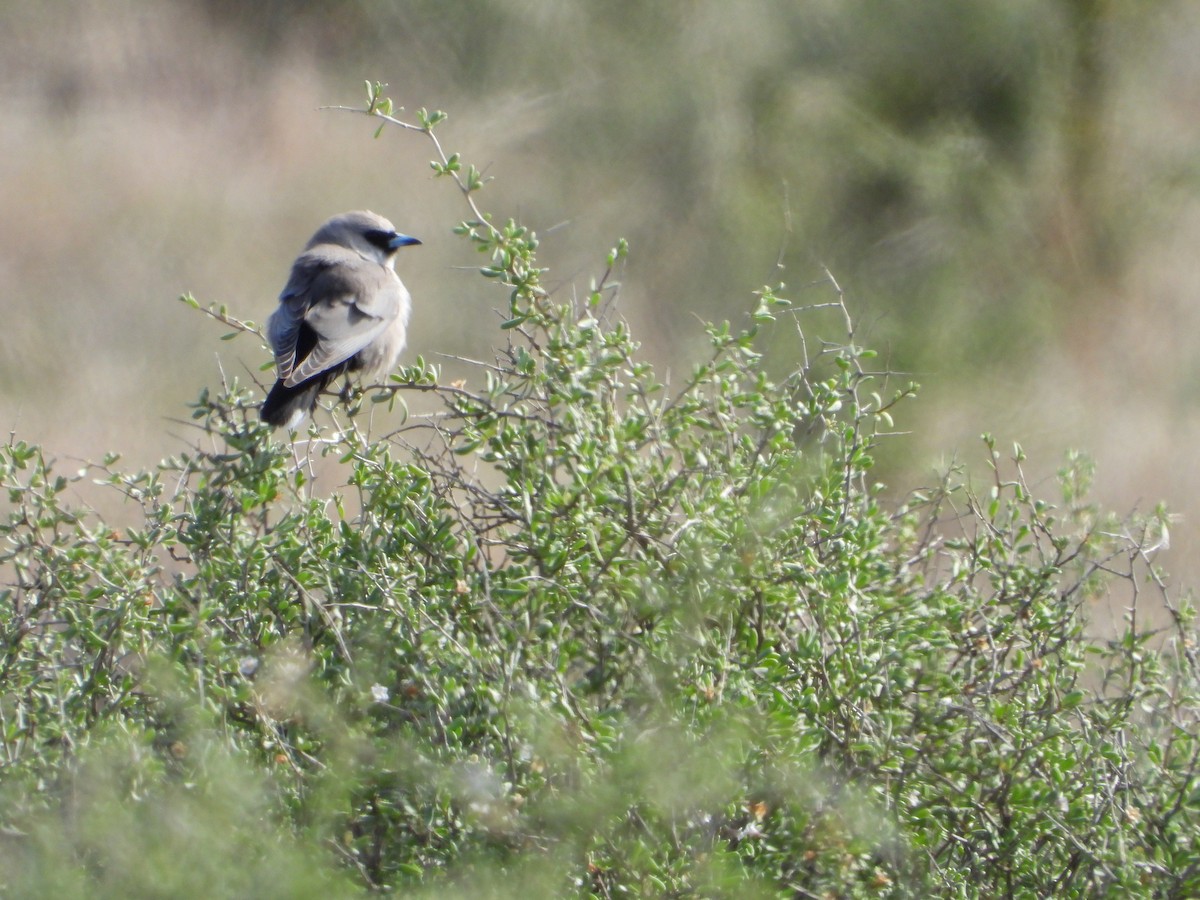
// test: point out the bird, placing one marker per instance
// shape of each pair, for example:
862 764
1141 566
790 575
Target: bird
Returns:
344 309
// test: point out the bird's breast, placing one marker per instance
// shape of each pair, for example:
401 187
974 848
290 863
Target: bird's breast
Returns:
381 355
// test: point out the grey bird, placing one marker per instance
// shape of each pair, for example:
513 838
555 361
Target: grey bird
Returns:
344 309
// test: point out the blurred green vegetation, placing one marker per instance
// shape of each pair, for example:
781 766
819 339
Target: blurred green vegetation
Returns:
990 181
951 161
1007 190
583 633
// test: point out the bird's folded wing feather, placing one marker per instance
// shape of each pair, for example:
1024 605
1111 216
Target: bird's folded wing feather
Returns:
283 331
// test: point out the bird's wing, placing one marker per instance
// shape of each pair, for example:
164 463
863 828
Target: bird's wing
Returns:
345 300
285 324
283 333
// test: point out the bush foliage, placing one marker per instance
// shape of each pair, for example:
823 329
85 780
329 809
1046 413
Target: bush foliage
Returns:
579 630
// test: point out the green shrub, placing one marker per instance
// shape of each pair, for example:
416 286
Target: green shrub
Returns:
582 631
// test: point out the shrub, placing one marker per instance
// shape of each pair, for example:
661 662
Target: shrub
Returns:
581 631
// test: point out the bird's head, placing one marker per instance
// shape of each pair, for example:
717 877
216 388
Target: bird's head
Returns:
370 235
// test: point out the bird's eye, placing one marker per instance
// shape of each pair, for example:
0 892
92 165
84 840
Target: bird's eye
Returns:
381 239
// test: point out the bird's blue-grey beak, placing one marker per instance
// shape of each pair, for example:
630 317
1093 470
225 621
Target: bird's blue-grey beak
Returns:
401 240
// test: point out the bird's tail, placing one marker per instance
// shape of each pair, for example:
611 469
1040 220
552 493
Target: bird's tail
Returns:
289 405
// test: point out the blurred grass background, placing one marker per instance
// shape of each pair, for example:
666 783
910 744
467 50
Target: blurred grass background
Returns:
1007 190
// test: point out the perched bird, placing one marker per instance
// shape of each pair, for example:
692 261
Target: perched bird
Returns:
344 309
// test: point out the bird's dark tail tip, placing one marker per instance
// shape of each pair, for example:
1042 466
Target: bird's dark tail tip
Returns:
289 405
